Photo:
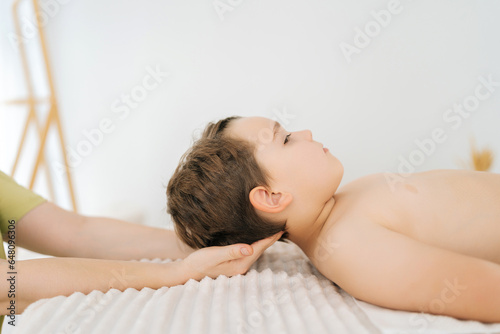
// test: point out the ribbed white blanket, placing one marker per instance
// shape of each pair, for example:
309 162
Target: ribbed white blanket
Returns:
282 293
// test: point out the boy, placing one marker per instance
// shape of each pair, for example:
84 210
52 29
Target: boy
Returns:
427 243
92 253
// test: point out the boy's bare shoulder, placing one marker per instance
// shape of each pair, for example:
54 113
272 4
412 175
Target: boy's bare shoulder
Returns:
364 208
386 268
340 241
351 250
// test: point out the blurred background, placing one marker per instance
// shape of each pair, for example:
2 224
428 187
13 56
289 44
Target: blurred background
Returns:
387 86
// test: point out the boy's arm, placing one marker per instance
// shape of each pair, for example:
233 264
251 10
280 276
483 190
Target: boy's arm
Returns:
388 269
51 230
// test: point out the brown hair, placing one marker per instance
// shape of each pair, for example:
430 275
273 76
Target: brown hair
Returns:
208 194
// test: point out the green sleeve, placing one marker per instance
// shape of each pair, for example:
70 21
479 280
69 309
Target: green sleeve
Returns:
15 201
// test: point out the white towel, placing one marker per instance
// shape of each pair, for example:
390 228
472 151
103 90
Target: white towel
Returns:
281 293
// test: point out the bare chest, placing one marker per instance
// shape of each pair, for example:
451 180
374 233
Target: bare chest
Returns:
450 209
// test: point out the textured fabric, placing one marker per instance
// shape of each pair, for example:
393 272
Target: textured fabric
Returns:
282 293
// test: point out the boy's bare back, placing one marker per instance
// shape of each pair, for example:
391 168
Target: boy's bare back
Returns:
417 240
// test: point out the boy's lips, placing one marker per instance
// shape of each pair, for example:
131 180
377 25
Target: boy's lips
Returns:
325 149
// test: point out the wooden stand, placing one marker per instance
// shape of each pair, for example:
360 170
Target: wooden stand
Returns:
31 101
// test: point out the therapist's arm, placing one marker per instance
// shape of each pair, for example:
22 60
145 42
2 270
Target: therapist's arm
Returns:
51 230
46 278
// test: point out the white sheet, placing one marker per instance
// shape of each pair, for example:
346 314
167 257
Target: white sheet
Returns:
282 293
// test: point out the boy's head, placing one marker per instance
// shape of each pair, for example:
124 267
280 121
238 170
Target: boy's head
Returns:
245 178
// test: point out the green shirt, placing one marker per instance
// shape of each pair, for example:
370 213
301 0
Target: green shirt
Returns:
15 202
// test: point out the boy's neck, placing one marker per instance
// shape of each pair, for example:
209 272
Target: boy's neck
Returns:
306 237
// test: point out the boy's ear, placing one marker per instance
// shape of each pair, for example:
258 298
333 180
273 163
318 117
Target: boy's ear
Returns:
266 201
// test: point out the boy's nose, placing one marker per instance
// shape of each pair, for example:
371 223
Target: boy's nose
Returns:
307 134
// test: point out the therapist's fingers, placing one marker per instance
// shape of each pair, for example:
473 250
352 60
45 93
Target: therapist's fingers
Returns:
226 260
261 245
258 247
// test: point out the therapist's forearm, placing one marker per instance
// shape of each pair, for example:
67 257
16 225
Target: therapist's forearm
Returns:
46 278
108 238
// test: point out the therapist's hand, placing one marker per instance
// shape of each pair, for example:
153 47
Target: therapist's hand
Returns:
225 260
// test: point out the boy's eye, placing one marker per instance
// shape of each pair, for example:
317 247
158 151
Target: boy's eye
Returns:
286 138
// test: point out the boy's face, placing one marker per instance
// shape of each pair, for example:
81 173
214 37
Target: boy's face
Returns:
295 162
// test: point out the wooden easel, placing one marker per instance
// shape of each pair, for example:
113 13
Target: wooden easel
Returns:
32 102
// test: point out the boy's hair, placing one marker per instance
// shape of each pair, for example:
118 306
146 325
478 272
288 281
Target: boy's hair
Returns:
208 194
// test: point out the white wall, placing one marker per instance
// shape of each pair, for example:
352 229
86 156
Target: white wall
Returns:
263 58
